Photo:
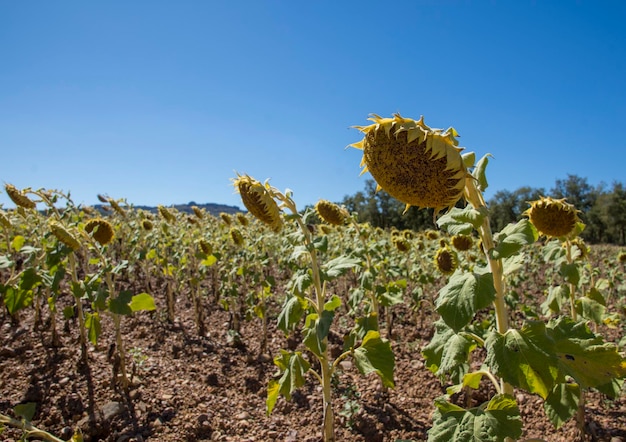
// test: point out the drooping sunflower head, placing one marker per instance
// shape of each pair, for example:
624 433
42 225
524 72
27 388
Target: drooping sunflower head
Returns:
432 234
418 165
236 236
621 257
206 247
446 260
18 197
325 229
332 213
258 199
147 225
101 230
554 218
198 212
462 242
401 243
228 220
117 207
243 219
64 235
166 214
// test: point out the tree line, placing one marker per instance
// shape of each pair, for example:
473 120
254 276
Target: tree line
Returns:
602 208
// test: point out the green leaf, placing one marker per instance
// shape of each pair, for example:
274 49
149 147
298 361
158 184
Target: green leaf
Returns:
321 243
448 353
570 272
590 309
392 293
463 296
18 243
525 358
302 280
68 312
142 301
16 299
93 326
512 238
29 279
293 368
562 403
339 266
479 172
499 420
584 356
120 305
362 325
292 311
25 411
557 296
461 221
469 159
333 303
316 330
374 355
208 261
513 263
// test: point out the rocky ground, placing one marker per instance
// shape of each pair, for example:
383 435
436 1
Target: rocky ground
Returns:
190 388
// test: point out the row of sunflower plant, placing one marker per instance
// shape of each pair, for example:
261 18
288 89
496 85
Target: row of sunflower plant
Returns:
552 353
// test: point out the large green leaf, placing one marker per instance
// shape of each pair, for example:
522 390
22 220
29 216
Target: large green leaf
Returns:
392 293
16 299
461 221
339 266
590 309
512 238
562 403
479 172
499 420
142 302
120 305
374 355
525 358
25 411
293 310
293 368
585 356
463 296
448 353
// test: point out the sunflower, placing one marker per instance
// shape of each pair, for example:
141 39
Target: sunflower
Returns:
553 218
101 230
462 242
418 165
446 261
18 197
258 199
331 213
64 235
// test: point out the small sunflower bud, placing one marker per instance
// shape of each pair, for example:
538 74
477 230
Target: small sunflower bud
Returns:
101 230
18 197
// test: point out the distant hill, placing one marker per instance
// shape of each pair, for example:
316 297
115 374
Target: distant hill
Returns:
212 208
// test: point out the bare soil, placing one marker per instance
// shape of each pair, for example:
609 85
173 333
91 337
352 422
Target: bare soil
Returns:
188 387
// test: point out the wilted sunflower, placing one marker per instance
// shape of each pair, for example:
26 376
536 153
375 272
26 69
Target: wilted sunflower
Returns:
147 225
228 220
621 257
18 197
243 219
553 218
462 242
198 212
117 207
166 214
446 261
401 243
101 230
332 213
258 199
418 165
236 236
206 247
64 235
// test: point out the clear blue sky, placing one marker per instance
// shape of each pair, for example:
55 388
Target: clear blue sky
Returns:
160 102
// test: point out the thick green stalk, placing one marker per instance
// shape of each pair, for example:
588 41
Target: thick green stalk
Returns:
475 197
